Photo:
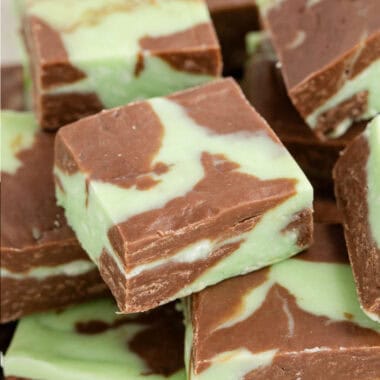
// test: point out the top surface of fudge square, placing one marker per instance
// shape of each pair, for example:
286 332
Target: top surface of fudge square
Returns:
30 218
291 320
92 342
330 55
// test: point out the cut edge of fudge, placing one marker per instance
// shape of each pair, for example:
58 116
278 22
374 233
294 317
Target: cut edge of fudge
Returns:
342 89
357 190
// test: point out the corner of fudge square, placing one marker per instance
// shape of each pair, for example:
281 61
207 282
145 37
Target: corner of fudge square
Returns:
330 57
87 56
173 194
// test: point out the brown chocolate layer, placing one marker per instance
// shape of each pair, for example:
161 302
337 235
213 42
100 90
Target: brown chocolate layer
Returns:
153 287
329 245
326 211
54 67
12 88
264 87
233 19
49 67
20 297
265 330
34 231
350 176
181 50
356 363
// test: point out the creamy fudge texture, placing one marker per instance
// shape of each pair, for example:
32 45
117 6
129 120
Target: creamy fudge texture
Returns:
173 194
42 265
89 55
357 188
330 55
92 342
298 319
264 87
233 19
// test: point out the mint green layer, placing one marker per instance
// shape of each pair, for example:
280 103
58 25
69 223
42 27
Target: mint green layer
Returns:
18 130
373 178
46 347
102 39
322 289
257 154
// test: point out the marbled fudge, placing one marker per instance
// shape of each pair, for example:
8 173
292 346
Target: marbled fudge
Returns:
42 265
92 342
357 188
330 56
173 194
88 55
264 87
298 319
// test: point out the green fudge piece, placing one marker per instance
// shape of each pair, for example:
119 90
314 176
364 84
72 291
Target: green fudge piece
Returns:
298 319
93 54
357 188
173 194
91 342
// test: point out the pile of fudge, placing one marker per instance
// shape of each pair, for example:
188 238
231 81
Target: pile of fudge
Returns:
160 220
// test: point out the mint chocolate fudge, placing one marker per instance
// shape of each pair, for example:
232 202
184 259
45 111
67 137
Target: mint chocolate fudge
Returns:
89 55
12 88
173 194
357 188
298 319
330 56
91 342
42 265
264 87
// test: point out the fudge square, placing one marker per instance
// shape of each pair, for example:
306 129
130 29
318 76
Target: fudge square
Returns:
330 55
42 264
233 19
264 87
173 194
298 319
357 189
90 341
89 55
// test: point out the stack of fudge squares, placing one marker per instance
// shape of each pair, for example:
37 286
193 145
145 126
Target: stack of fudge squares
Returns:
161 221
